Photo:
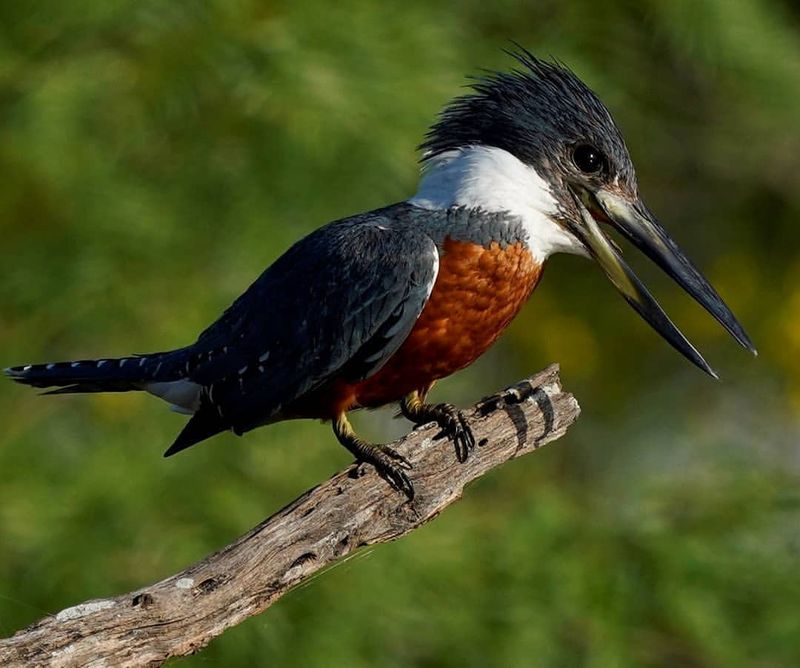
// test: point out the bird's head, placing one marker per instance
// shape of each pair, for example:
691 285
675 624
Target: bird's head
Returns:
538 143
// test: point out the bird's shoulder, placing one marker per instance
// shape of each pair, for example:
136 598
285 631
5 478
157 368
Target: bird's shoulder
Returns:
337 281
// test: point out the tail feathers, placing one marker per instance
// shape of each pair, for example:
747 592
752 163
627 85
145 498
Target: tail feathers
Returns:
160 374
204 424
95 386
104 375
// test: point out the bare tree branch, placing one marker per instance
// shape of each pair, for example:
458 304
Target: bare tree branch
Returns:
182 613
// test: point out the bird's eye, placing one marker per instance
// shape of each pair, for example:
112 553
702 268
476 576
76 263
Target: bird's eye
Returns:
588 159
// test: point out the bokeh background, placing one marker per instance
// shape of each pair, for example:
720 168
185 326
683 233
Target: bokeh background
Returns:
156 156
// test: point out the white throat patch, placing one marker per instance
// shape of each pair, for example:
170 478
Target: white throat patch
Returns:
493 180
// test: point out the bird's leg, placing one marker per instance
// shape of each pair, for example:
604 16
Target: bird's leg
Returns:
447 416
391 465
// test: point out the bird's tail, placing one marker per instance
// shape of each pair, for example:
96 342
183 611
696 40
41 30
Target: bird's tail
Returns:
102 375
160 374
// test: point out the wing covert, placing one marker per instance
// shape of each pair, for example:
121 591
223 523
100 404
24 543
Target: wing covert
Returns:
338 303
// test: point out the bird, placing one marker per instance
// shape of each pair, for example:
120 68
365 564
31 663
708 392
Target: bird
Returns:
375 308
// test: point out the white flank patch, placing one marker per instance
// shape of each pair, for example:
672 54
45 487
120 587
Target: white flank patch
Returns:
435 259
184 395
493 180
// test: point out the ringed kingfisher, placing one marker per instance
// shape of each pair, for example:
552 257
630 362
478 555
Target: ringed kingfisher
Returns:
375 308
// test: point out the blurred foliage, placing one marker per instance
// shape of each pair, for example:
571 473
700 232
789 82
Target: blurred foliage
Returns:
155 156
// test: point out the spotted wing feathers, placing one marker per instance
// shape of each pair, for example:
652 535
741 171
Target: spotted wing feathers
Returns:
101 375
337 304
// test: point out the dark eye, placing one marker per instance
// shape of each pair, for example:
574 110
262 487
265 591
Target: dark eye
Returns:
588 159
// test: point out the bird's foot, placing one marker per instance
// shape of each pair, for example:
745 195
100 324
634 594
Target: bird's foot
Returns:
454 426
449 418
391 466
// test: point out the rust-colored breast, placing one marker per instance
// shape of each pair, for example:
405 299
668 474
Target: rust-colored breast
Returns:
477 293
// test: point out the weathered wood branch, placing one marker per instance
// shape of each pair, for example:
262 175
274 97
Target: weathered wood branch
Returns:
182 613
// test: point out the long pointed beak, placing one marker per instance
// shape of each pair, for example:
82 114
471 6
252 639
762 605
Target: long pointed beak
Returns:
639 226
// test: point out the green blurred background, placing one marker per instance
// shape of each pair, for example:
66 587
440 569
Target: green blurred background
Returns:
156 156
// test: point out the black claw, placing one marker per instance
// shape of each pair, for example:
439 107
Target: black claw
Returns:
466 431
393 474
396 456
397 478
452 422
520 392
392 467
454 426
388 463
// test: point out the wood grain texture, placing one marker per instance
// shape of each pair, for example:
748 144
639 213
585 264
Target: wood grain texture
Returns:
181 614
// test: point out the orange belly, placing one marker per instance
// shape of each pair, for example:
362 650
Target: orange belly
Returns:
477 293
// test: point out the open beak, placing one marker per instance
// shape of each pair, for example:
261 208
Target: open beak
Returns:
638 225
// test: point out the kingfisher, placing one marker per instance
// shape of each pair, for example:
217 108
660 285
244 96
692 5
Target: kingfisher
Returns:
375 308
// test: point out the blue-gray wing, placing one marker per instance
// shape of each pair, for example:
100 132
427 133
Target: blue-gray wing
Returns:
337 304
